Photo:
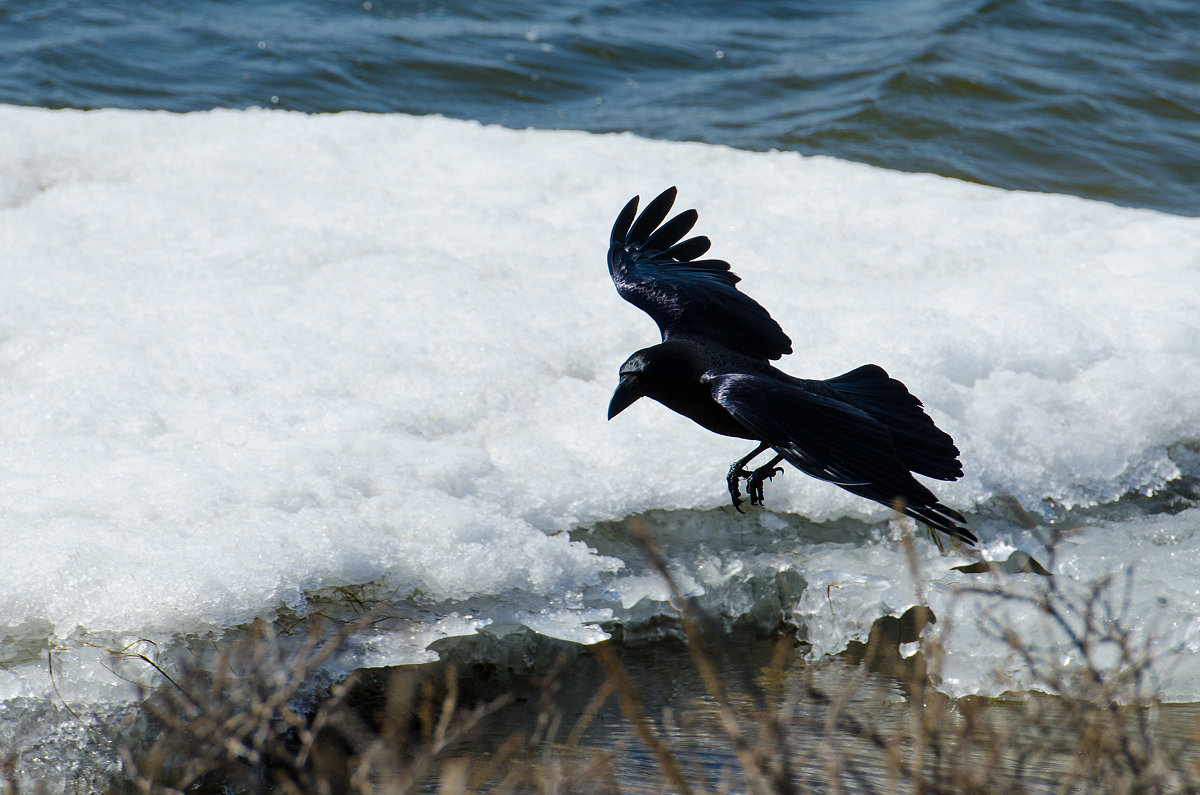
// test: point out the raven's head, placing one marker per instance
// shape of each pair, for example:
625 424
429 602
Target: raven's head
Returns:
632 385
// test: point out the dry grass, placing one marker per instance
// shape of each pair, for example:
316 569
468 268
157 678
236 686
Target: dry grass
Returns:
230 723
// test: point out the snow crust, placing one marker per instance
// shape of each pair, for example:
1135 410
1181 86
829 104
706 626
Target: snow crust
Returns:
248 356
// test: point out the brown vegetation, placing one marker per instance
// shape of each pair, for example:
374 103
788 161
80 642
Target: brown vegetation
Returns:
872 722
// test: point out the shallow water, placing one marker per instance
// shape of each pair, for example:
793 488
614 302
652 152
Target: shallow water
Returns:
845 721
1098 99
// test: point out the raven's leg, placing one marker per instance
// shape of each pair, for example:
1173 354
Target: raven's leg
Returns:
755 483
738 471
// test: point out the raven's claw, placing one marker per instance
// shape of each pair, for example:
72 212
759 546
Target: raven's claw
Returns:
754 481
736 473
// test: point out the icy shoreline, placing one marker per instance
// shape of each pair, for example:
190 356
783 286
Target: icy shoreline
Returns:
249 356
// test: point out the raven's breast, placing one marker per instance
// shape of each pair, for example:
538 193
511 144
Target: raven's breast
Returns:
697 404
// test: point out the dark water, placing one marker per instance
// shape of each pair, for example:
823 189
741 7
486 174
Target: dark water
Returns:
1089 97
860 724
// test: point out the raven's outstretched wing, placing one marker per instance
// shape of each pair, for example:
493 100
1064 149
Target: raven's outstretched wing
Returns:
686 297
831 440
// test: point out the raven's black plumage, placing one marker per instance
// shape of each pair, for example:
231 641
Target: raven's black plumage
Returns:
862 430
686 296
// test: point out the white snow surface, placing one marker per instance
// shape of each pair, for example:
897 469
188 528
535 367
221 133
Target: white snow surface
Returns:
249 355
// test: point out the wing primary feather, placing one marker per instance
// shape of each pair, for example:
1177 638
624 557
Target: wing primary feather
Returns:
689 249
651 217
621 228
671 232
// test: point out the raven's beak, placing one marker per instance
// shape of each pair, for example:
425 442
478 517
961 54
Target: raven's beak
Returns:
627 392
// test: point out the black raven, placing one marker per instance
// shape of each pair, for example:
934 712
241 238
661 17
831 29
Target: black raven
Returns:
862 431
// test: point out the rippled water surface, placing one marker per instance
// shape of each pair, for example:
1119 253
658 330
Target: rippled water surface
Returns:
1099 99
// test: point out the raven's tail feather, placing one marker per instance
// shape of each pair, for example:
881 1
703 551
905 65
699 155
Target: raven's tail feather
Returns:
921 446
941 518
918 502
